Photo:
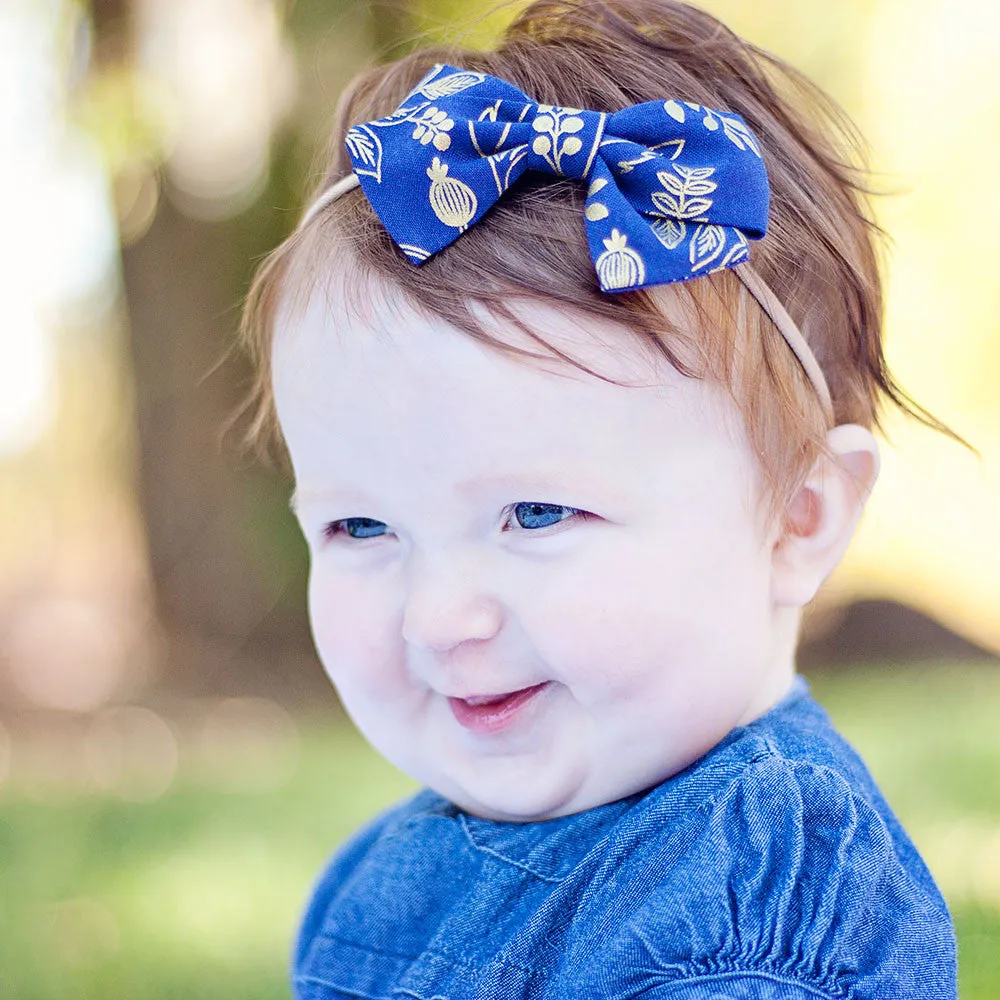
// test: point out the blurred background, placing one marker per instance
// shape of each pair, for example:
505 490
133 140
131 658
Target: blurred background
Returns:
174 766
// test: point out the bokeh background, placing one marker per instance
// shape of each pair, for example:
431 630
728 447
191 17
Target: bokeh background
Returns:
174 766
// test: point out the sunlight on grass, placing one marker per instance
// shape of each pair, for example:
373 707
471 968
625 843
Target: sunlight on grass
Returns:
929 734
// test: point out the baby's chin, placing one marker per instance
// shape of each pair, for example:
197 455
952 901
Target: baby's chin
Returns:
511 797
510 805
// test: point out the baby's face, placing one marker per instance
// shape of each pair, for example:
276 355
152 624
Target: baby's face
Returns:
584 555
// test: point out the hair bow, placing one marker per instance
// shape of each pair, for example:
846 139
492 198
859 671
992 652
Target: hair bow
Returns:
675 189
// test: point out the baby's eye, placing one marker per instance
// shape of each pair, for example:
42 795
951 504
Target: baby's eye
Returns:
530 516
543 515
354 527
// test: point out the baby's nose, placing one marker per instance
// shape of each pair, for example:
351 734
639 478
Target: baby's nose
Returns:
447 603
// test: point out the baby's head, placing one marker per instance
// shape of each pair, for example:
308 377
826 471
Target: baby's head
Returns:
511 481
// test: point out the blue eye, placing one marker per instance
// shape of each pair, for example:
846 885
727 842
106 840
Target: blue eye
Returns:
530 516
542 515
355 527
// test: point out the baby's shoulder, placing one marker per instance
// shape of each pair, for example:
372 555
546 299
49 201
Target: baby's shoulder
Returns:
349 856
779 870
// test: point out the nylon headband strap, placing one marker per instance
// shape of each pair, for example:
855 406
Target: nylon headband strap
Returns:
752 281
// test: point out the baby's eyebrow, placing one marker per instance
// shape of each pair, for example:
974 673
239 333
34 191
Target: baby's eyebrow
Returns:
474 486
300 496
485 484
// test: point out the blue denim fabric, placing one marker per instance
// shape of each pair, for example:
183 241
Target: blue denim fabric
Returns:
772 867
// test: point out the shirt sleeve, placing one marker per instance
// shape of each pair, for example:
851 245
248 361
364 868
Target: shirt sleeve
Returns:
789 886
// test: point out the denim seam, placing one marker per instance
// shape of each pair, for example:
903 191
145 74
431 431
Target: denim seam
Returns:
457 959
503 857
329 935
767 752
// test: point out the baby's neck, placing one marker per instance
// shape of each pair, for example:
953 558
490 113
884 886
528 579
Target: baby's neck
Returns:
781 675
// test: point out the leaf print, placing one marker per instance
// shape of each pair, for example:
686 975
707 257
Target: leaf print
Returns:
556 122
445 86
399 116
734 129
596 185
737 253
433 126
670 182
595 211
490 113
739 134
706 244
677 143
670 232
414 252
675 110
365 146
362 148
515 157
426 78
624 166
685 191
695 179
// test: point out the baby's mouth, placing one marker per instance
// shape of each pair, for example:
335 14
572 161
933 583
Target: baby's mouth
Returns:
488 713
488 699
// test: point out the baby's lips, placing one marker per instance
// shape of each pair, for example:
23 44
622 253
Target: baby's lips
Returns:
495 712
487 699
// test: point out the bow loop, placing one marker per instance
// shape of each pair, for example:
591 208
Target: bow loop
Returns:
674 190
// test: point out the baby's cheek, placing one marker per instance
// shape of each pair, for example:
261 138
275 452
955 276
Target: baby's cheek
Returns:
351 631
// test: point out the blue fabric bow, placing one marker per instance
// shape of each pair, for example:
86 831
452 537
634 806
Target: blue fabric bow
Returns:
675 189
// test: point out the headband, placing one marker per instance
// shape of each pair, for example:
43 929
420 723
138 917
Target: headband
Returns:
675 190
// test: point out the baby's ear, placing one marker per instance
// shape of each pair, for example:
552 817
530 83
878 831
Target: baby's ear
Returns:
822 516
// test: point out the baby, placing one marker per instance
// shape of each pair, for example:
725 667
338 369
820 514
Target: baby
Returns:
569 467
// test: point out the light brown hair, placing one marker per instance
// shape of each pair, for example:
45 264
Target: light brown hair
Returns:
821 255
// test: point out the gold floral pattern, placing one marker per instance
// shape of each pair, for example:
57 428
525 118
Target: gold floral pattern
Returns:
686 191
670 232
619 266
595 210
365 148
706 244
624 166
699 211
433 126
414 252
453 201
733 129
556 125
444 86
499 159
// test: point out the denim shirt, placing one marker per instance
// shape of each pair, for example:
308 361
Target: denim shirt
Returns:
772 867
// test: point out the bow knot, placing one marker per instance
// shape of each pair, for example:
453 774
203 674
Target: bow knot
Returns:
675 189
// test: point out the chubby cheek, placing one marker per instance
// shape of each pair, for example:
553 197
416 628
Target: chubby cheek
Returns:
656 624
354 634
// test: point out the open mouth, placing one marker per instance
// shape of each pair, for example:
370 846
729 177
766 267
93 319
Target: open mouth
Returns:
489 713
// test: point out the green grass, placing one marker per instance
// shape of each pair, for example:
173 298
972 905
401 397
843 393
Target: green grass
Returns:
931 737
196 894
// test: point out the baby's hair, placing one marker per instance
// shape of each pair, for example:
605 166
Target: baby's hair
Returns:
821 255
